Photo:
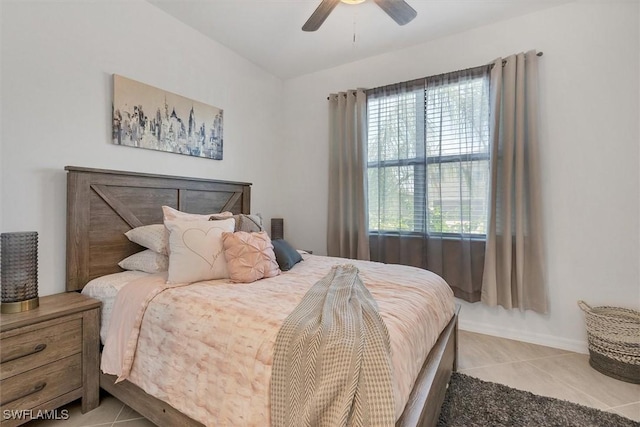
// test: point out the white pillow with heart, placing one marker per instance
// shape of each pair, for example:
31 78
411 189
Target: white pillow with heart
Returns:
196 251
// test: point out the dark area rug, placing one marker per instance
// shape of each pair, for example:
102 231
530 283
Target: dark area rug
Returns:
473 402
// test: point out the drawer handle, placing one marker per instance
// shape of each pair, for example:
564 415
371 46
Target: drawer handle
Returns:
36 349
36 388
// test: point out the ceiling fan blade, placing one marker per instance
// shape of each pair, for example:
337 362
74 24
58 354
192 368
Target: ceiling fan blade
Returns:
320 14
398 10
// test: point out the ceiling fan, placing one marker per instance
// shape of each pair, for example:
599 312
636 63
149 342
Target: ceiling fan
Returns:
398 10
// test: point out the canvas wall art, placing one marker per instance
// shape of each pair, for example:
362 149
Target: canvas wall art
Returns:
151 118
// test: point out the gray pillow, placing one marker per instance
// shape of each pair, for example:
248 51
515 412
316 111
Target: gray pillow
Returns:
248 223
286 255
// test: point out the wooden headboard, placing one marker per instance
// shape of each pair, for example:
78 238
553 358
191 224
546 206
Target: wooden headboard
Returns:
103 204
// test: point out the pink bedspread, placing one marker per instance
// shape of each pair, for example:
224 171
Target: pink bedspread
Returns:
206 348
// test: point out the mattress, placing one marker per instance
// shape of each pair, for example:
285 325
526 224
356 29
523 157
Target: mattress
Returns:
207 348
105 289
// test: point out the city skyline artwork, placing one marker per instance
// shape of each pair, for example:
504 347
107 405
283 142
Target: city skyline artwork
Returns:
151 118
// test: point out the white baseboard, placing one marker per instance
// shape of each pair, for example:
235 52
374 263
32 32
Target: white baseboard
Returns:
531 337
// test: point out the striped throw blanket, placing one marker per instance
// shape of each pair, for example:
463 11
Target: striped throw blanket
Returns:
332 362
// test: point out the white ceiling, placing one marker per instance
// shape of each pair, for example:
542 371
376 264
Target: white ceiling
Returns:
268 32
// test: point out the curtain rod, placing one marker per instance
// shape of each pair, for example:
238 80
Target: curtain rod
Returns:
504 61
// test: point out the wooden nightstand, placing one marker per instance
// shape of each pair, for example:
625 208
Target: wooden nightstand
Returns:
49 356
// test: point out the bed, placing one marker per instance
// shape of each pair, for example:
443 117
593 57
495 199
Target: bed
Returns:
104 204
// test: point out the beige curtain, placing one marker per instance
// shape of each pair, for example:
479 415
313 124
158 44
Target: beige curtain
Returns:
347 228
514 267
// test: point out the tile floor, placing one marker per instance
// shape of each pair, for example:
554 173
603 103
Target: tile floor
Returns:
546 371
540 370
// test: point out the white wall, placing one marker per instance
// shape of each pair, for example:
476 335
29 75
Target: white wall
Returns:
590 158
57 64
55 80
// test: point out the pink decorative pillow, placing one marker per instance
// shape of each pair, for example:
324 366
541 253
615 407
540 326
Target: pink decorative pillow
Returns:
196 250
171 214
249 256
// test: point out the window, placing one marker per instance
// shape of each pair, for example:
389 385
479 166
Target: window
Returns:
428 155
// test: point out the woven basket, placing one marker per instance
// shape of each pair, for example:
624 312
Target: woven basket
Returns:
614 341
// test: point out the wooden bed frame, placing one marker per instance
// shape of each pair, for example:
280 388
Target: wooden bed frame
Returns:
103 204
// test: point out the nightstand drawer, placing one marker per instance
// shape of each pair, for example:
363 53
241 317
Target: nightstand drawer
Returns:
23 352
38 386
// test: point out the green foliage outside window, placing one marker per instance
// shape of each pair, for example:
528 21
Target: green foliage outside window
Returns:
428 160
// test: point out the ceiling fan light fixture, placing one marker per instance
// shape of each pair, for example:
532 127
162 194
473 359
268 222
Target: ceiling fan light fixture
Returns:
398 10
